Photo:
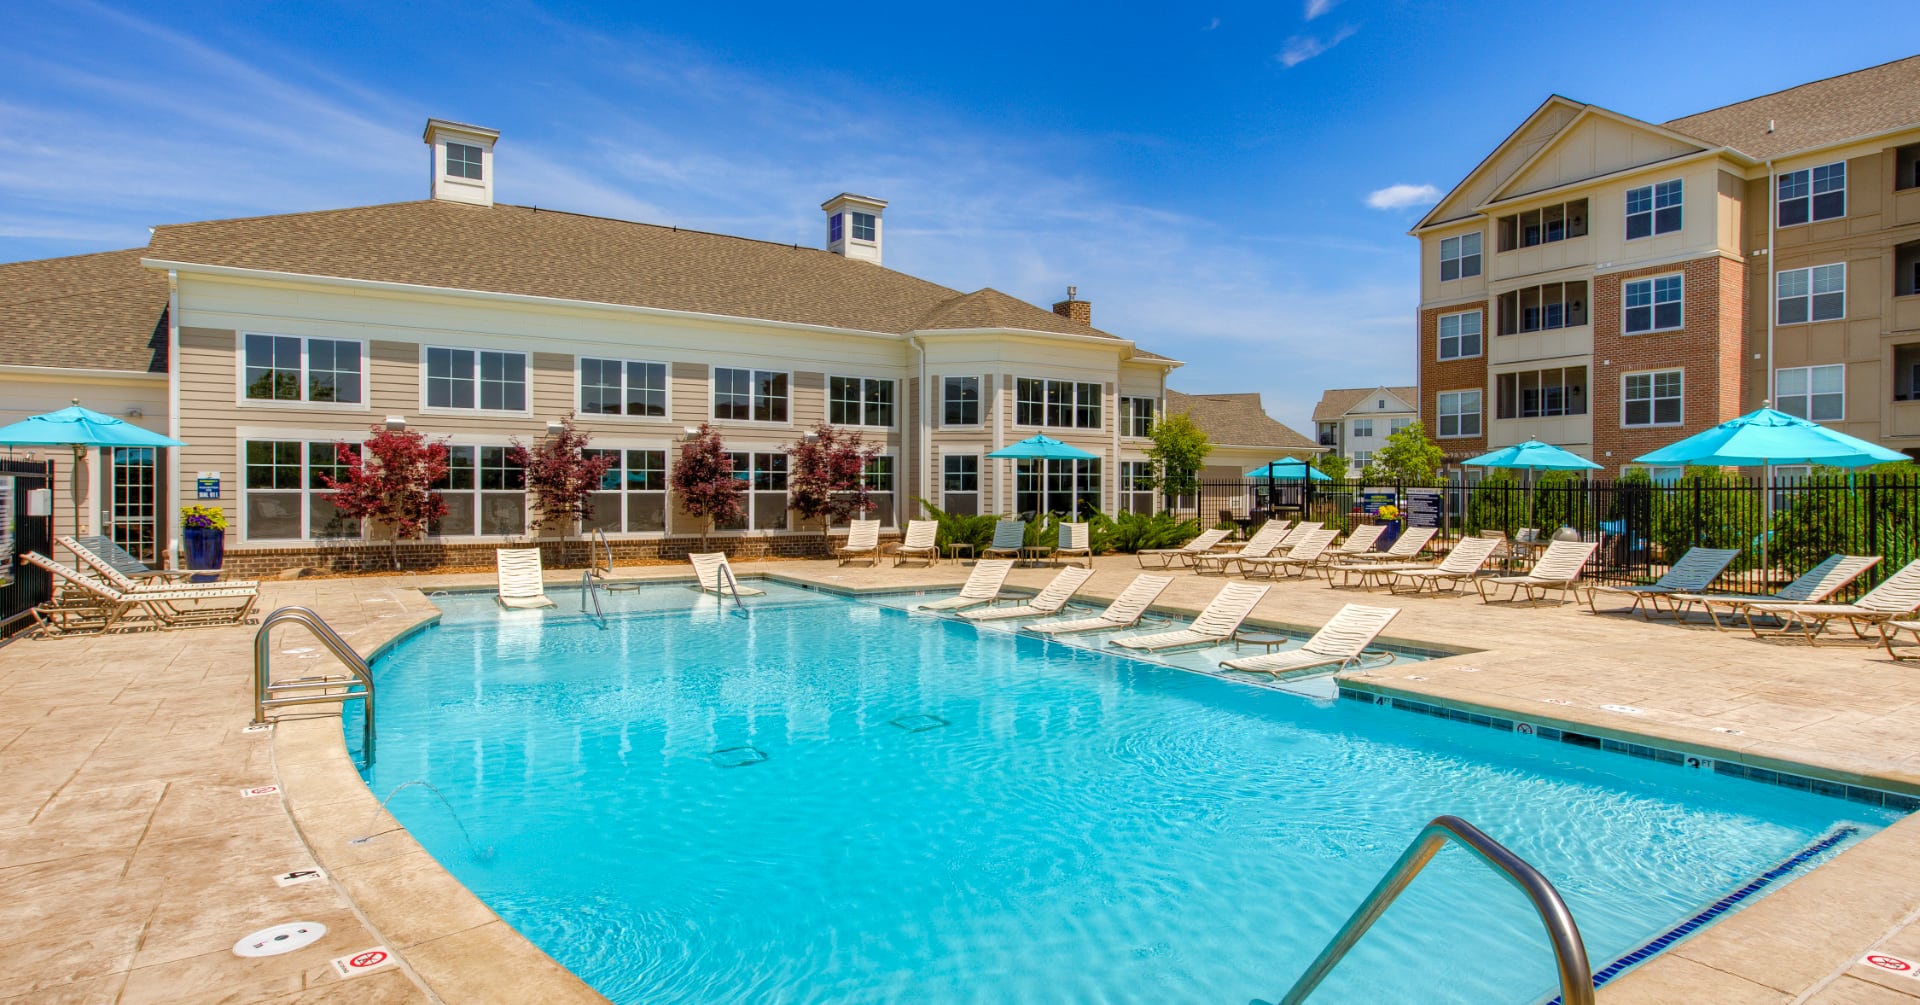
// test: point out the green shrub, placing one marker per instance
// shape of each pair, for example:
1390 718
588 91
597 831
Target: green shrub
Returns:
974 530
1494 504
1871 512
1133 532
1707 508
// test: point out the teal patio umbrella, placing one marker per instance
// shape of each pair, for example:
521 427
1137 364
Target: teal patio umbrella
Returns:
1042 448
1763 438
1532 456
80 428
1289 469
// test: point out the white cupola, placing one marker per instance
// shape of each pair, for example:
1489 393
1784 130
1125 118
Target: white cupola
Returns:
462 161
853 226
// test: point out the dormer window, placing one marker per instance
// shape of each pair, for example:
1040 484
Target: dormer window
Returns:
836 225
862 226
463 161
853 226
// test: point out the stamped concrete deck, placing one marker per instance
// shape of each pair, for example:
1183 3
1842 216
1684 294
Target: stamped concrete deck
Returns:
130 863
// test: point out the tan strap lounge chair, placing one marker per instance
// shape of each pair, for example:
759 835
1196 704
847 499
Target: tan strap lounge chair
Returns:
863 541
1307 554
1202 545
1050 600
1812 587
1359 541
1260 545
706 569
1360 569
1696 569
1462 564
1075 542
1889 629
1558 569
1009 536
1338 643
982 586
1405 548
1126 610
920 543
1895 599
88 604
128 574
522 584
1215 625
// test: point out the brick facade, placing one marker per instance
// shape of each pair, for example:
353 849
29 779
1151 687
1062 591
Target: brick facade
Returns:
1709 349
266 563
1437 375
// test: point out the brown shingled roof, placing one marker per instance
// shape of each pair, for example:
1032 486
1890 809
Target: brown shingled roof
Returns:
100 312
1336 402
1860 103
1237 420
536 252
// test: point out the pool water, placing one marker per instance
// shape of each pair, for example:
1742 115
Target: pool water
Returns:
829 800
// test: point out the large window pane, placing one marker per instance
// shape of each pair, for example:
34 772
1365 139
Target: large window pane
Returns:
273 368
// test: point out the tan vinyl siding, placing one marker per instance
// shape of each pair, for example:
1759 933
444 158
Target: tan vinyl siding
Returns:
690 394
807 403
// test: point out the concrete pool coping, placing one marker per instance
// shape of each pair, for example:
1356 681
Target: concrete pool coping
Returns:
1799 943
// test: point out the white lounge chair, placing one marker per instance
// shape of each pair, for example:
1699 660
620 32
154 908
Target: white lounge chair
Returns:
1461 565
1405 548
1050 600
1695 571
127 573
1125 611
863 541
706 569
1075 542
1009 536
1215 625
1895 599
1360 540
88 604
1812 587
982 586
920 542
1306 554
1202 545
1338 643
1558 569
518 572
1260 545
1890 629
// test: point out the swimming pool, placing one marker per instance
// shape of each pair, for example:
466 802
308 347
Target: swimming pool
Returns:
832 800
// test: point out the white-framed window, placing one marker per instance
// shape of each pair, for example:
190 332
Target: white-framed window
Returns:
860 401
286 499
476 379
623 387
863 226
463 161
1459 413
1362 428
1652 398
1660 476
1818 293
1655 304
1460 335
1361 458
742 395
1070 488
1136 416
960 484
960 401
835 227
1396 425
1136 487
1654 209
1060 404
296 368
633 493
1812 392
1812 194
879 476
1459 257
765 475
486 494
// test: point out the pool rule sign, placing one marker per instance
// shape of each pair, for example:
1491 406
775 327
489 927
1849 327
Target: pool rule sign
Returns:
1423 507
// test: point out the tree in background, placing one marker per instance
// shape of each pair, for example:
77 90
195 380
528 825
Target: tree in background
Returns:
561 478
1332 465
827 480
704 483
1179 448
390 479
1407 456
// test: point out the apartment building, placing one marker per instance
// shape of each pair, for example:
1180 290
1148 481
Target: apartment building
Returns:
1610 284
266 342
1354 422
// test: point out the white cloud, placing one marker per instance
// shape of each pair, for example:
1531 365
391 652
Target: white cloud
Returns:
1315 8
1215 23
1402 196
1301 48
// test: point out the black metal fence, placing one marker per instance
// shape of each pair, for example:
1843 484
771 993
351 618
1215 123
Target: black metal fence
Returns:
22 585
1781 527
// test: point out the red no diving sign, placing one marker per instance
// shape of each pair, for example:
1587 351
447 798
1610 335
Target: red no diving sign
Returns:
363 961
1891 965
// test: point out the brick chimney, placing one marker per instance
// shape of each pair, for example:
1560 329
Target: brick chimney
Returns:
1078 311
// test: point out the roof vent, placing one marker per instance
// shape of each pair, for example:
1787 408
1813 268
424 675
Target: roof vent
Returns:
461 161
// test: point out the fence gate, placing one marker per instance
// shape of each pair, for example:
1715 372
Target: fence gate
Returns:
22 585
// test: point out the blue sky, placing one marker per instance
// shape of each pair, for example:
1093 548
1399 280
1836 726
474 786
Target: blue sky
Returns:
1228 184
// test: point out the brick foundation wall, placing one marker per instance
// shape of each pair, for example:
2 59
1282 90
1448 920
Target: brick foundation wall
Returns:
1708 348
267 563
1437 375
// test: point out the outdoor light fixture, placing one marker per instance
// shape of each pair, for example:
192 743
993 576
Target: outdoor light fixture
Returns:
134 412
690 433
395 423
554 426
811 437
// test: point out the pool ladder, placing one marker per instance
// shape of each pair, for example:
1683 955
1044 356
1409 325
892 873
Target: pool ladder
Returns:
1569 952
723 582
590 589
269 693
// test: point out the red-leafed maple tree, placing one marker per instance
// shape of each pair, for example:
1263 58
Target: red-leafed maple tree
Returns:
390 480
827 480
561 478
704 481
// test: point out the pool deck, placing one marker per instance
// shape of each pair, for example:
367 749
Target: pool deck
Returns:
130 862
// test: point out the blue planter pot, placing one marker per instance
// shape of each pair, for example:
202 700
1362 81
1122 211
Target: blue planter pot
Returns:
1389 535
206 549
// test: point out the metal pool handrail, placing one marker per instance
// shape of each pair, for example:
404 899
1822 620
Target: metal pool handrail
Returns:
1569 952
265 688
600 536
727 575
589 587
